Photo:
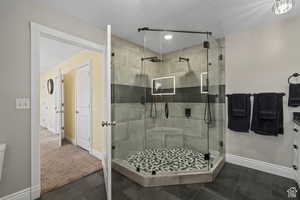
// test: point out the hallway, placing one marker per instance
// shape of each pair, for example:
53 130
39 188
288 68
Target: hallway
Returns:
65 164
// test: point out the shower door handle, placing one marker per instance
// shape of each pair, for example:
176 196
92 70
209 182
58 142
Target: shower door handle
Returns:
113 123
107 123
104 123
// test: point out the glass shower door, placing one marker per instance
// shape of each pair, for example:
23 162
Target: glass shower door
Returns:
176 124
107 122
216 91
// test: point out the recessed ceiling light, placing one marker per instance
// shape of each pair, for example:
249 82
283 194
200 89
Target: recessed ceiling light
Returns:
282 6
168 37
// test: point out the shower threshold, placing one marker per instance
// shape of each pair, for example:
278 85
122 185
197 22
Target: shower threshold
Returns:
139 171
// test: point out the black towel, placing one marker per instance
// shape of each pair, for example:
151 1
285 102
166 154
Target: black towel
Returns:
294 95
267 117
239 111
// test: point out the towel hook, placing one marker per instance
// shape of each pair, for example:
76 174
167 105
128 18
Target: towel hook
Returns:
292 76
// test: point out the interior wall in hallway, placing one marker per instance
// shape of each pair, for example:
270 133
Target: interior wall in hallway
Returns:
68 68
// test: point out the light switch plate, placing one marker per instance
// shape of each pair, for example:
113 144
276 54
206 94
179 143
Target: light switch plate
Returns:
22 103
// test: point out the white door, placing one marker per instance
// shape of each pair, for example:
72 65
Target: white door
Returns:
59 107
107 99
83 107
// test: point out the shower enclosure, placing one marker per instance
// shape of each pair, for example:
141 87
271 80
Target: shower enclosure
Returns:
168 101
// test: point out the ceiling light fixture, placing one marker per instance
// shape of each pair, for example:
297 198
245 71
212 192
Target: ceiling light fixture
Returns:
168 37
282 6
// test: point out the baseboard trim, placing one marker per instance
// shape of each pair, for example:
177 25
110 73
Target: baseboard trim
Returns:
72 141
51 130
270 168
26 194
35 192
97 154
20 195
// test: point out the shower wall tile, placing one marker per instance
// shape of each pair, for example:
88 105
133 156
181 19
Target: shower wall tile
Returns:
132 86
127 66
121 132
128 138
124 112
125 148
155 139
136 129
195 128
138 94
172 140
218 111
216 135
127 94
196 143
161 137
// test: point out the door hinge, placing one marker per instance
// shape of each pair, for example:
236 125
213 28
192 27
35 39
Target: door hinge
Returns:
207 156
62 81
62 128
62 104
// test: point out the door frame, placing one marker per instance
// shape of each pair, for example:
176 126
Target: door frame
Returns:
59 85
36 32
88 64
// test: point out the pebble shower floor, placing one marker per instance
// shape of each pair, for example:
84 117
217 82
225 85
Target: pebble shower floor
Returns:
164 160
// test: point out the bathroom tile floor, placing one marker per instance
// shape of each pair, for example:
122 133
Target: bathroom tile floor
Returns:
233 183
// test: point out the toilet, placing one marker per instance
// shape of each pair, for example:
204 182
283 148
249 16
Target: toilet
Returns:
2 151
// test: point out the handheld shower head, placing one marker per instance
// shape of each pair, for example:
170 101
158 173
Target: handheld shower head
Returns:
181 59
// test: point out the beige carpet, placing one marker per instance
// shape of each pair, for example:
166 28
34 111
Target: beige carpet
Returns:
65 164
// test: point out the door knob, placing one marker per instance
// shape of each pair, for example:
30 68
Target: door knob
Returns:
104 123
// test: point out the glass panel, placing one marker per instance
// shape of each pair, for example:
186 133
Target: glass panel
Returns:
107 161
216 75
168 103
175 124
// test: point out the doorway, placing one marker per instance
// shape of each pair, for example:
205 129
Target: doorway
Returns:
92 147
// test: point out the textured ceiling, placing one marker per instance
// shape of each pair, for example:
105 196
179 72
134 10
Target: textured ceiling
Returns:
218 16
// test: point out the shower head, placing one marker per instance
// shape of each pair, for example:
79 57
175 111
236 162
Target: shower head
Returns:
154 59
181 59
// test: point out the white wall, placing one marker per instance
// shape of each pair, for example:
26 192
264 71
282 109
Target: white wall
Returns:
15 17
261 60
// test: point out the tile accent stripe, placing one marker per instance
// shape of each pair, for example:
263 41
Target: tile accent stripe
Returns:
137 94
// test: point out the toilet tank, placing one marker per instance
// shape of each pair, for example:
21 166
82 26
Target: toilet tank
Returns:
2 151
